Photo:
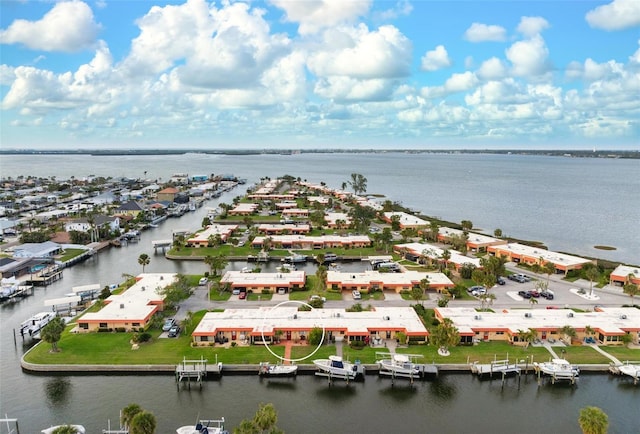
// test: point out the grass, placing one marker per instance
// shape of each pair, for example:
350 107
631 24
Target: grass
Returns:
71 253
623 353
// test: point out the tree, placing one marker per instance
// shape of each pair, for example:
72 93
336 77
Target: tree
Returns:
143 422
532 301
568 331
216 262
144 260
497 233
445 335
486 299
321 277
467 225
592 274
127 414
446 255
264 421
434 229
424 286
358 183
52 332
631 290
66 429
593 420
315 336
416 294
548 268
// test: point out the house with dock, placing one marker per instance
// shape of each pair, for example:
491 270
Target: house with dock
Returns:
264 282
606 325
304 242
433 254
201 239
251 326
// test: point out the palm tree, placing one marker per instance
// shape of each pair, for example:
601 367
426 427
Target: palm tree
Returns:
424 286
321 278
358 183
144 260
216 262
548 268
446 255
568 332
592 274
127 414
589 331
52 332
593 420
532 301
486 299
631 290
143 423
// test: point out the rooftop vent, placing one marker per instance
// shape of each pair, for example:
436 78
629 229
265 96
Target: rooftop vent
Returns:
527 315
477 317
570 314
295 316
623 317
386 318
121 305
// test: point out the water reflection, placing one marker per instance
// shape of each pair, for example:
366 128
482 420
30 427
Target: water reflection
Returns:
58 391
443 389
400 391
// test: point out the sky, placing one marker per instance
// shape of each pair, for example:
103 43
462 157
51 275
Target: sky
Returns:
314 74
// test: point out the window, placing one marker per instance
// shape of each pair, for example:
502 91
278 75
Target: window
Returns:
499 333
84 325
103 325
135 324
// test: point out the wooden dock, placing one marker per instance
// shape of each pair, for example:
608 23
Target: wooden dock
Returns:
196 371
45 277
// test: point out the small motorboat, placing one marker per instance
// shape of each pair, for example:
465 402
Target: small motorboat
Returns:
266 369
212 426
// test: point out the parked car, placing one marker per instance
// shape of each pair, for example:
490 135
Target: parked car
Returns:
356 295
534 293
235 291
524 294
203 281
547 294
168 323
242 295
174 332
317 297
500 281
477 290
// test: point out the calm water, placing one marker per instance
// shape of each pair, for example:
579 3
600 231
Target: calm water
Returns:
454 403
571 204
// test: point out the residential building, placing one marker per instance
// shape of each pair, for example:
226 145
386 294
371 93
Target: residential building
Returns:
268 282
369 281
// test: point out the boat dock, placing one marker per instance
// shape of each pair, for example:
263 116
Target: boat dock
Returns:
196 371
630 369
161 244
45 277
357 376
499 368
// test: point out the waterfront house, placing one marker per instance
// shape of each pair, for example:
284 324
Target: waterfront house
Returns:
264 282
250 326
434 254
201 239
244 209
167 194
405 220
332 218
112 224
475 242
47 249
624 274
369 281
130 208
608 324
132 309
303 242
523 254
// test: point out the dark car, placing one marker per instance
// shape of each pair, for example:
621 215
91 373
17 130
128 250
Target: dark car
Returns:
524 294
242 295
500 281
547 294
174 331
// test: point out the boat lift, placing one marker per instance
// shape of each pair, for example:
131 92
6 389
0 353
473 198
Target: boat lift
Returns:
423 369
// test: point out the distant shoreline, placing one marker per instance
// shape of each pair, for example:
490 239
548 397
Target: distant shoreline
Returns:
631 154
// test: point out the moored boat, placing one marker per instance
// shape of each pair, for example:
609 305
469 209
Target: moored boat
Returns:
266 369
335 367
32 326
558 369
212 426
398 365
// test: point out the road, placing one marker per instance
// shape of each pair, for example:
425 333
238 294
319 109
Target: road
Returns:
506 297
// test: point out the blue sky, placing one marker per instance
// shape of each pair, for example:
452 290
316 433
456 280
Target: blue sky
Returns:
320 74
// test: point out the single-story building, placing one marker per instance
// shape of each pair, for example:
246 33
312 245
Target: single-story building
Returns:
332 219
624 274
244 209
475 242
276 229
132 309
434 254
201 239
47 249
259 282
406 220
308 242
608 324
523 254
369 281
250 326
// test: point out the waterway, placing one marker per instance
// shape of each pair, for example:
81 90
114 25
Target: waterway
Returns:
454 403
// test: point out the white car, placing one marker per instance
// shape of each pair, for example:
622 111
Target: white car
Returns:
356 295
317 297
235 292
203 281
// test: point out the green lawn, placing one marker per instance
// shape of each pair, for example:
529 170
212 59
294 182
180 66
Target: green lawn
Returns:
623 353
71 253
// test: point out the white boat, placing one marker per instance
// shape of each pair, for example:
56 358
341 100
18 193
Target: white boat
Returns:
32 326
630 369
79 429
558 368
398 365
213 426
335 367
266 369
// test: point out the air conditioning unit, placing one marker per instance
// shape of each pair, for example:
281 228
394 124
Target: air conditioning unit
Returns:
623 317
295 316
337 314
477 317
570 314
386 318
121 305
527 315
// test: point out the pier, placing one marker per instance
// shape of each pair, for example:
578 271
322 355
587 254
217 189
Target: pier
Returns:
161 244
196 371
500 368
630 369
45 277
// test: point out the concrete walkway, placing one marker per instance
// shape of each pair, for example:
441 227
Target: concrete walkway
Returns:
547 345
604 353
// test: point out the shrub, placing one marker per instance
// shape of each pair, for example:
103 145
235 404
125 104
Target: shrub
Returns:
266 291
104 330
144 337
357 345
121 329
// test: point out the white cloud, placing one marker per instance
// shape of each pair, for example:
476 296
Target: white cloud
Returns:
401 8
435 59
492 69
68 27
532 26
529 57
479 32
617 15
635 57
315 15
